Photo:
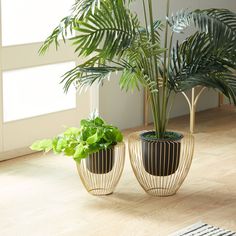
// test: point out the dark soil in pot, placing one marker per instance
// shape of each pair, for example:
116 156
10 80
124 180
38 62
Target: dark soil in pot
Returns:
161 156
101 162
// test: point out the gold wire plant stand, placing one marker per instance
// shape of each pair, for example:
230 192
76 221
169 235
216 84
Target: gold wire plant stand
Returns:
101 171
161 184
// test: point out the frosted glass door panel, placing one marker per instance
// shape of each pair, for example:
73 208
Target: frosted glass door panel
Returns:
36 91
28 21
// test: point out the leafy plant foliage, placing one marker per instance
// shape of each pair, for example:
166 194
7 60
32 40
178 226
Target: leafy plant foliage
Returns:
111 38
93 135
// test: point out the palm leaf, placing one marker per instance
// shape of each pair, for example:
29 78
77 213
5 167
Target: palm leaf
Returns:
111 29
137 63
216 22
110 26
83 7
199 62
223 82
66 26
82 77
223 17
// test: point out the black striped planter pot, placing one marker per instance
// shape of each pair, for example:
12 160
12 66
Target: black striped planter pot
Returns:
160 157
101 162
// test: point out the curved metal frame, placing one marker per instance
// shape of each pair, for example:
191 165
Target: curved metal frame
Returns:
161 185
103 184
192 103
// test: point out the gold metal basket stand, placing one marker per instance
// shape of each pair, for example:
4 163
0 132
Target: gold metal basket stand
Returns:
160 185
102 183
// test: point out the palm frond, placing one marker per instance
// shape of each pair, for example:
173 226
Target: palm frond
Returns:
199 62
116 37
82 77
130 79
133 78
137 63
222 82
66 26
83 7
180 21
225 18
111 29
105 26
215 22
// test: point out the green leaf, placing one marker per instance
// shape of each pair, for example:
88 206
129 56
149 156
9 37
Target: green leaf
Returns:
81 152
85 122
119 137
61 145
93 139
93 136
42 145
69 151
72 131
110 135
54 144
98 121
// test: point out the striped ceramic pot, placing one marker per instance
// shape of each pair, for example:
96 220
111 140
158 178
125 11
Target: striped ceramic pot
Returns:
160 157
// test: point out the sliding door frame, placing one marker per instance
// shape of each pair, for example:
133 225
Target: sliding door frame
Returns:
1 85
85 102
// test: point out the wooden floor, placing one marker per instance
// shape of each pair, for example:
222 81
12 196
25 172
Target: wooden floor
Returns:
43 195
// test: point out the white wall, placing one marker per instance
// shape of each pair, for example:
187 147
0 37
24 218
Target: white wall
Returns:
126 109
123 109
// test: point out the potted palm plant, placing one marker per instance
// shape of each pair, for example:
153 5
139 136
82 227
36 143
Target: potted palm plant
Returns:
97 149
112 39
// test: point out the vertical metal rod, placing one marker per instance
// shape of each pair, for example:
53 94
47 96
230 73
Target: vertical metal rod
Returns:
192 112
220 99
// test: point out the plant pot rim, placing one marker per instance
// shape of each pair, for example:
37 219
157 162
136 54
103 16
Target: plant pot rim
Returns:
150 139
104 149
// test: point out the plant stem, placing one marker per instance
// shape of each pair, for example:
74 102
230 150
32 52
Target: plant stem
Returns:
145 17
169 53
166 96
155 73
151 21
165 74
166 31
155 114
170 108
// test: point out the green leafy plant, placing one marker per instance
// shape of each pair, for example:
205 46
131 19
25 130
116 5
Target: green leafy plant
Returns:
112 38
93 135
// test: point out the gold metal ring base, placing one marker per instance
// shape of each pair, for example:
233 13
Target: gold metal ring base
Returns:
160 191
101 192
